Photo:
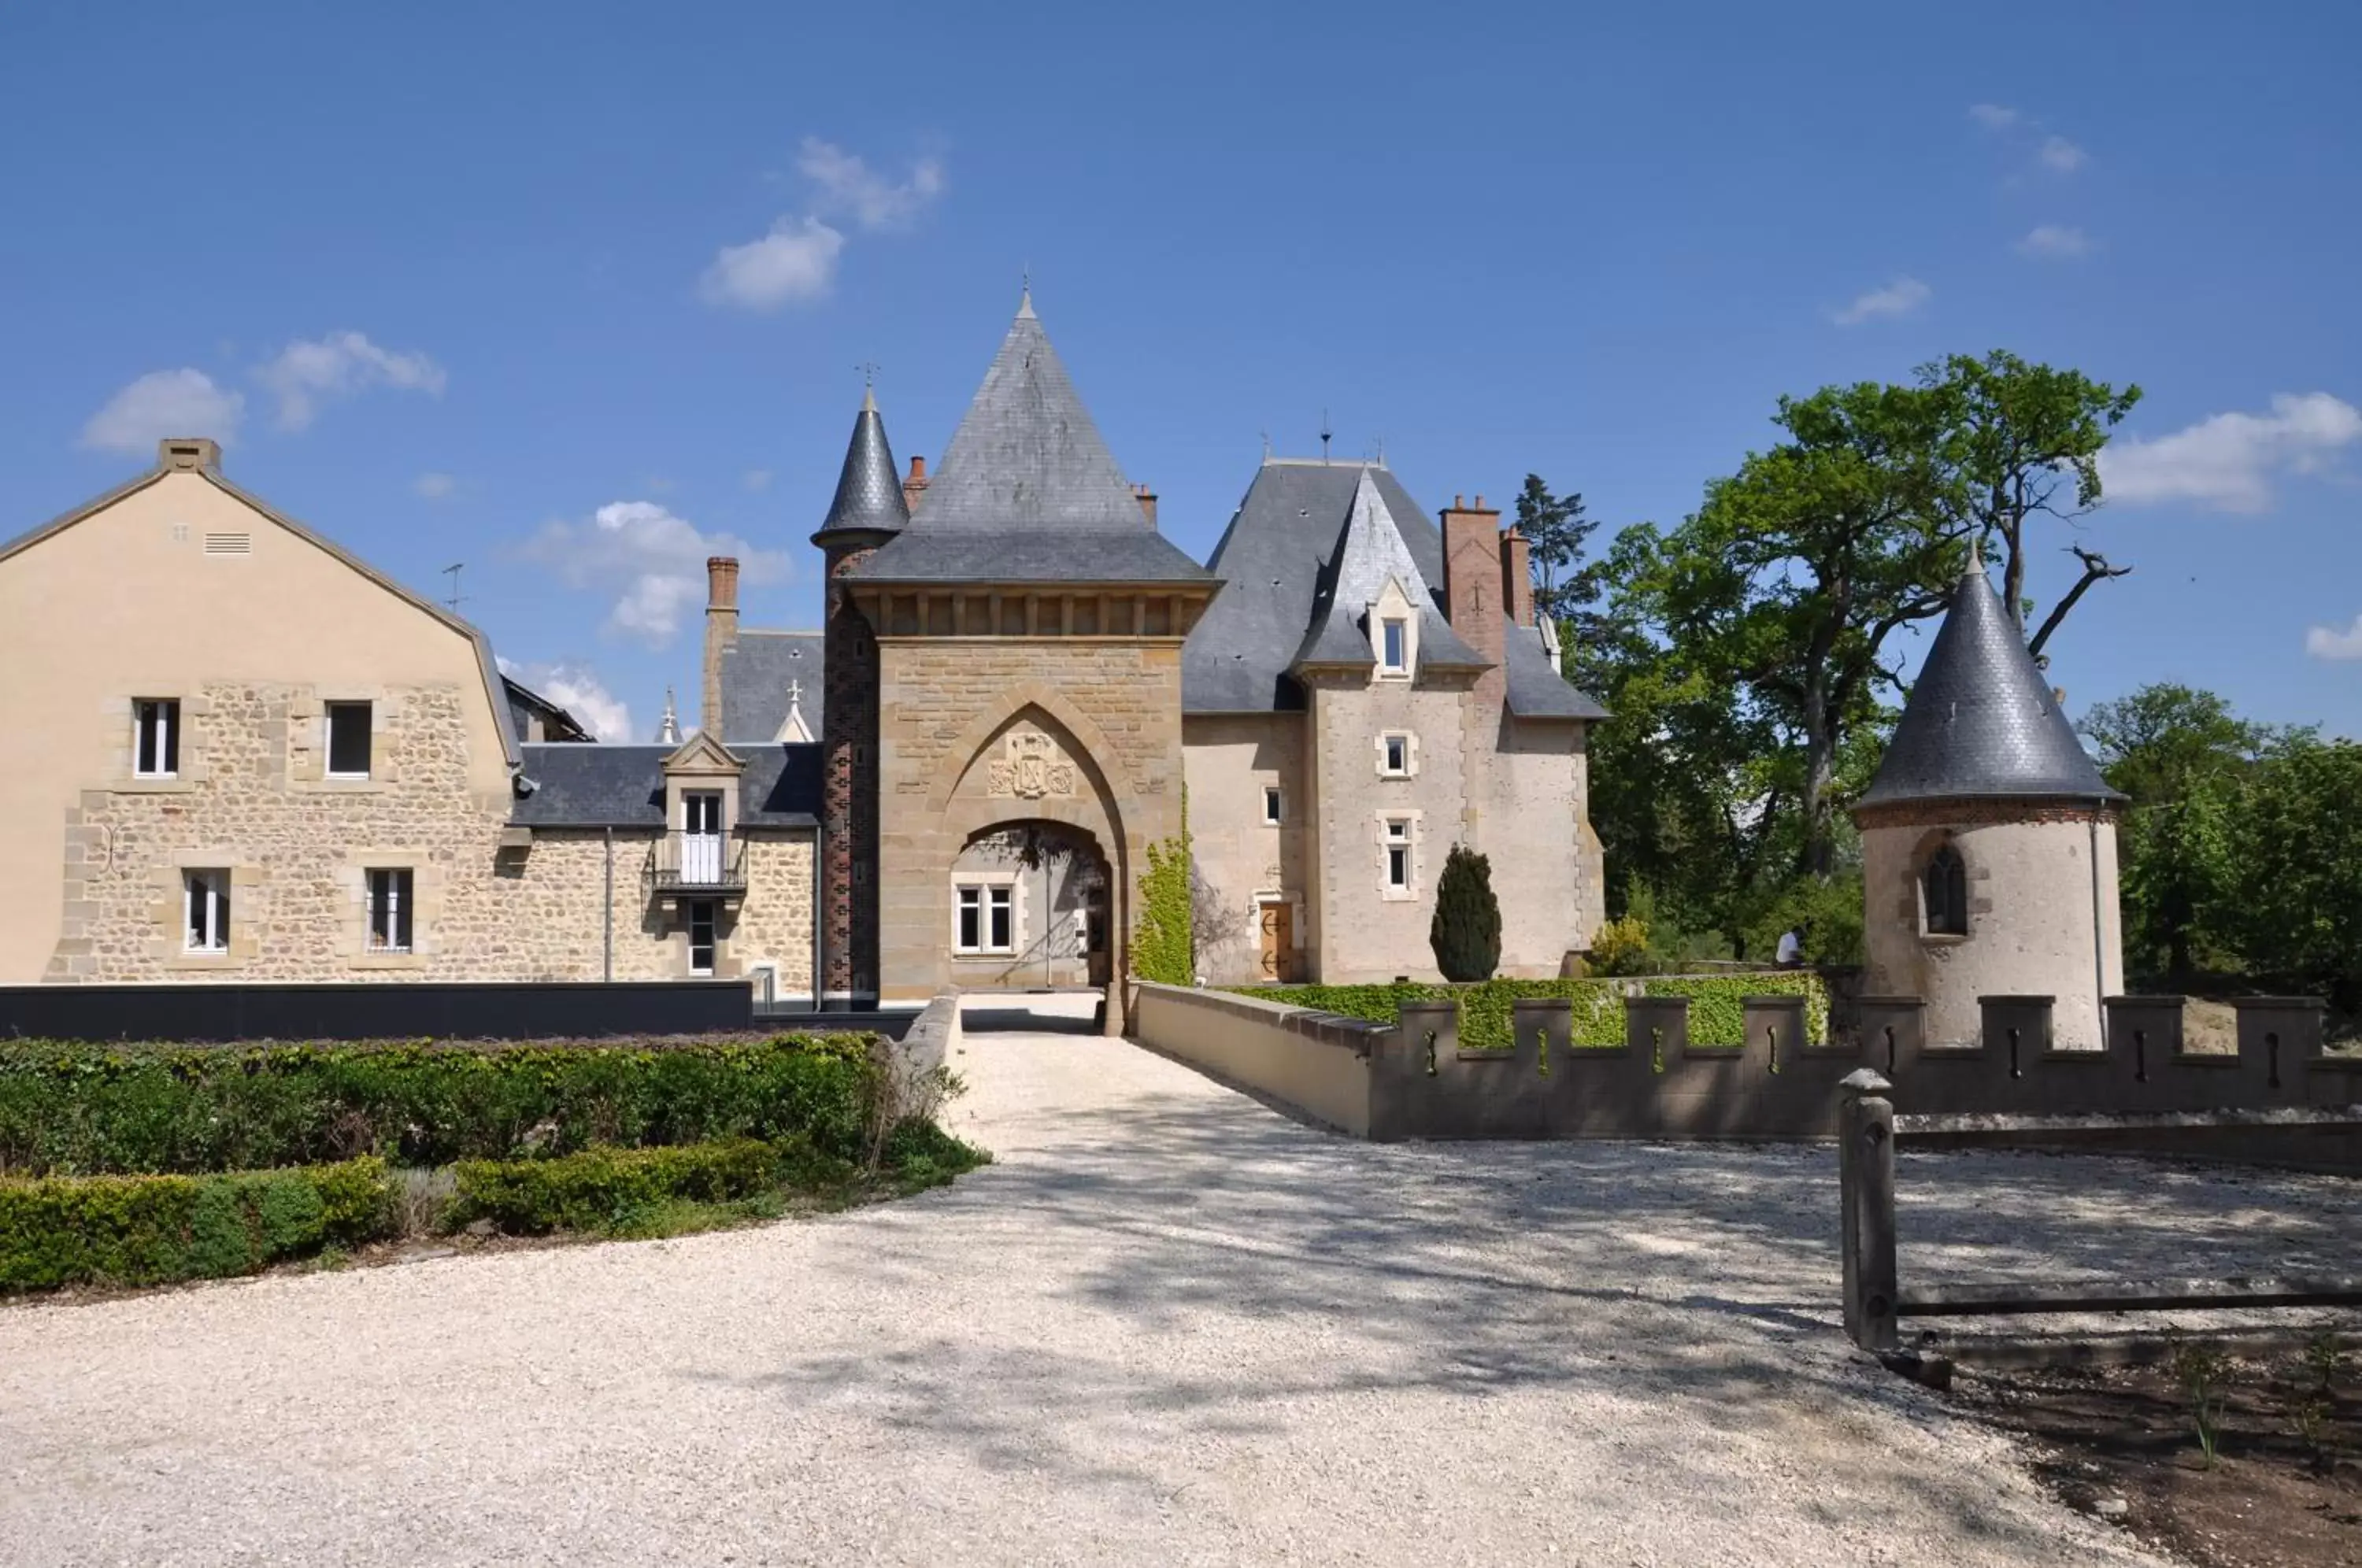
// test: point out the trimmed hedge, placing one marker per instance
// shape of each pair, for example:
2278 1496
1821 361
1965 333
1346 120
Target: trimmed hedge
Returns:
154 1229
603 1188
88 1110
1716 1014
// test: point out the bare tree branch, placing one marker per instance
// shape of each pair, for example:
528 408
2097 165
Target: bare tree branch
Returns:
2095 569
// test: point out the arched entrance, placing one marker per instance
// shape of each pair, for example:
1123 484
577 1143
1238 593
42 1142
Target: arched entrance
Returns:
1031 908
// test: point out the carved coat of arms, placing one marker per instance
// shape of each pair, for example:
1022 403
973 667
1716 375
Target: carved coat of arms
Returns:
1031 769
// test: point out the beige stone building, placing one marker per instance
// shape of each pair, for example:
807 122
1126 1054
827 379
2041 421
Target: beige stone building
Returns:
954 782
237 753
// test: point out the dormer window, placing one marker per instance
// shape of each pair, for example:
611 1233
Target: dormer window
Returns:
1394 646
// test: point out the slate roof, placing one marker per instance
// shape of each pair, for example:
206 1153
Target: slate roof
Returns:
525 704
755 672
596 786
1980 721
1275 560
1370 552
1028 491
868 490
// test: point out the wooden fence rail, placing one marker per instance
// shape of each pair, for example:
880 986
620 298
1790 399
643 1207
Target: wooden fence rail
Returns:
1875 1300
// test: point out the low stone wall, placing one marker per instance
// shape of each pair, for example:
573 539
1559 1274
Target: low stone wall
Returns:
1415 1080
1316 1063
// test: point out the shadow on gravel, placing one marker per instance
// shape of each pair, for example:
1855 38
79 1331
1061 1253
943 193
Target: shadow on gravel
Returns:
1634 1274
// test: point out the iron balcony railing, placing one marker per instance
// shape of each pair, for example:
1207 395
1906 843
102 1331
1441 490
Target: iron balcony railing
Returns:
699 862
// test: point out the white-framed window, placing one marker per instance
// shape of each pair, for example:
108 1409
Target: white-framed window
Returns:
986 916
1393 646
703 915
156 737
1395 755
389 905
1275 806
1399 867
205 906
348 740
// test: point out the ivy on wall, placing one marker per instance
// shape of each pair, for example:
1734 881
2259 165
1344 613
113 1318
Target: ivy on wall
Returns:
1160 941
1716 1004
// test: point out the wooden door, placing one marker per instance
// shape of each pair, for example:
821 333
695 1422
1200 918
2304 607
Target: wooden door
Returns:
1278 943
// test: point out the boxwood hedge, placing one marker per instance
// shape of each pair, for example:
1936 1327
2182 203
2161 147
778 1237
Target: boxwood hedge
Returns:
153 1230
1715 1004
90 1110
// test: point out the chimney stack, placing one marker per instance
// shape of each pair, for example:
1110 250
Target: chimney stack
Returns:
1516 576
721 635
1471 588
1147 499
916 485
188 452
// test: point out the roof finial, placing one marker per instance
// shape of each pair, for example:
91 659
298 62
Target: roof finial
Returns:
1025 291
868 369
1976 566
668 733
1325 434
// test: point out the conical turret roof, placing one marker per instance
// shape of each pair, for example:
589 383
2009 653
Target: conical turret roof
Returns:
1980 721
1027 491
868 490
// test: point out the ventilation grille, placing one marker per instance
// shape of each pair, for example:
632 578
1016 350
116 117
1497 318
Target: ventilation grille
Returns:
229 543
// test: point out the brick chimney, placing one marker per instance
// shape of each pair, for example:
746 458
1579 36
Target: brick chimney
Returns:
1472 587
1147 499
721 635
916 485
1516 577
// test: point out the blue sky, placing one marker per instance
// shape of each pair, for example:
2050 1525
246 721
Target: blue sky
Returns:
454 282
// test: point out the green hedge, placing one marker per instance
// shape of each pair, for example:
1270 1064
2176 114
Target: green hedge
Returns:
1486 1007
87 1110
604 1189
153 1230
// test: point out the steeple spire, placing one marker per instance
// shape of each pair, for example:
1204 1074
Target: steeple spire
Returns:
668 732
869 490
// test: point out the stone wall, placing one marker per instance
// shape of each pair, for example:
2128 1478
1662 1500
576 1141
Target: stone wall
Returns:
1363 932
1109 707
1535 832
250 801
1231 758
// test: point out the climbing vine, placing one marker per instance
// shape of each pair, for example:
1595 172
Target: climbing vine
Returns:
1160 943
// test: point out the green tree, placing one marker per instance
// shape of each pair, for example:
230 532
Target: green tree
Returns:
1466 930
1556 531
2023 443
2295 852
1785 587
2178 755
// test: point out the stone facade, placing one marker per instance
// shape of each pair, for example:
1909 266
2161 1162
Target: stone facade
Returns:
1104 714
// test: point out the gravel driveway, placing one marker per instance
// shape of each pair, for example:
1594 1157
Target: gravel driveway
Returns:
1168 1326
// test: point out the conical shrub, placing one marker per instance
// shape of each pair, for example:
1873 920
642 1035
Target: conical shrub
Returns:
1466 931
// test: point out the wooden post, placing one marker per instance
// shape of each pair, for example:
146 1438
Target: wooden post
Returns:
1866 1202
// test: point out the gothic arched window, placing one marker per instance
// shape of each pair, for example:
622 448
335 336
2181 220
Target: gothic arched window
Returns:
1945 894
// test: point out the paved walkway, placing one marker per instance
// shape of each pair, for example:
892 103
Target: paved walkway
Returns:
1168 1326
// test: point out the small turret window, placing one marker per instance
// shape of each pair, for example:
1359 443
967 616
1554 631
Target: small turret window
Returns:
1944 894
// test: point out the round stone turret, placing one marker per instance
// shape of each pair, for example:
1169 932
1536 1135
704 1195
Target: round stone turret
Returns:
1989 841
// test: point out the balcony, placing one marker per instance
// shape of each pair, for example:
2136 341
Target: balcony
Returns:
697 865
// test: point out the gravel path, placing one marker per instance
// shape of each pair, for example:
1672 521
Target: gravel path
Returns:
1168 1326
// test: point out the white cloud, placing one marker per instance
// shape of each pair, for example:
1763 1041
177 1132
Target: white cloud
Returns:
162 403
1994 116
2228 462
434 486
653 561
2320 642
797 260
756 480
1899 297
2058 153
848 184
2060 241
576 688
305 375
